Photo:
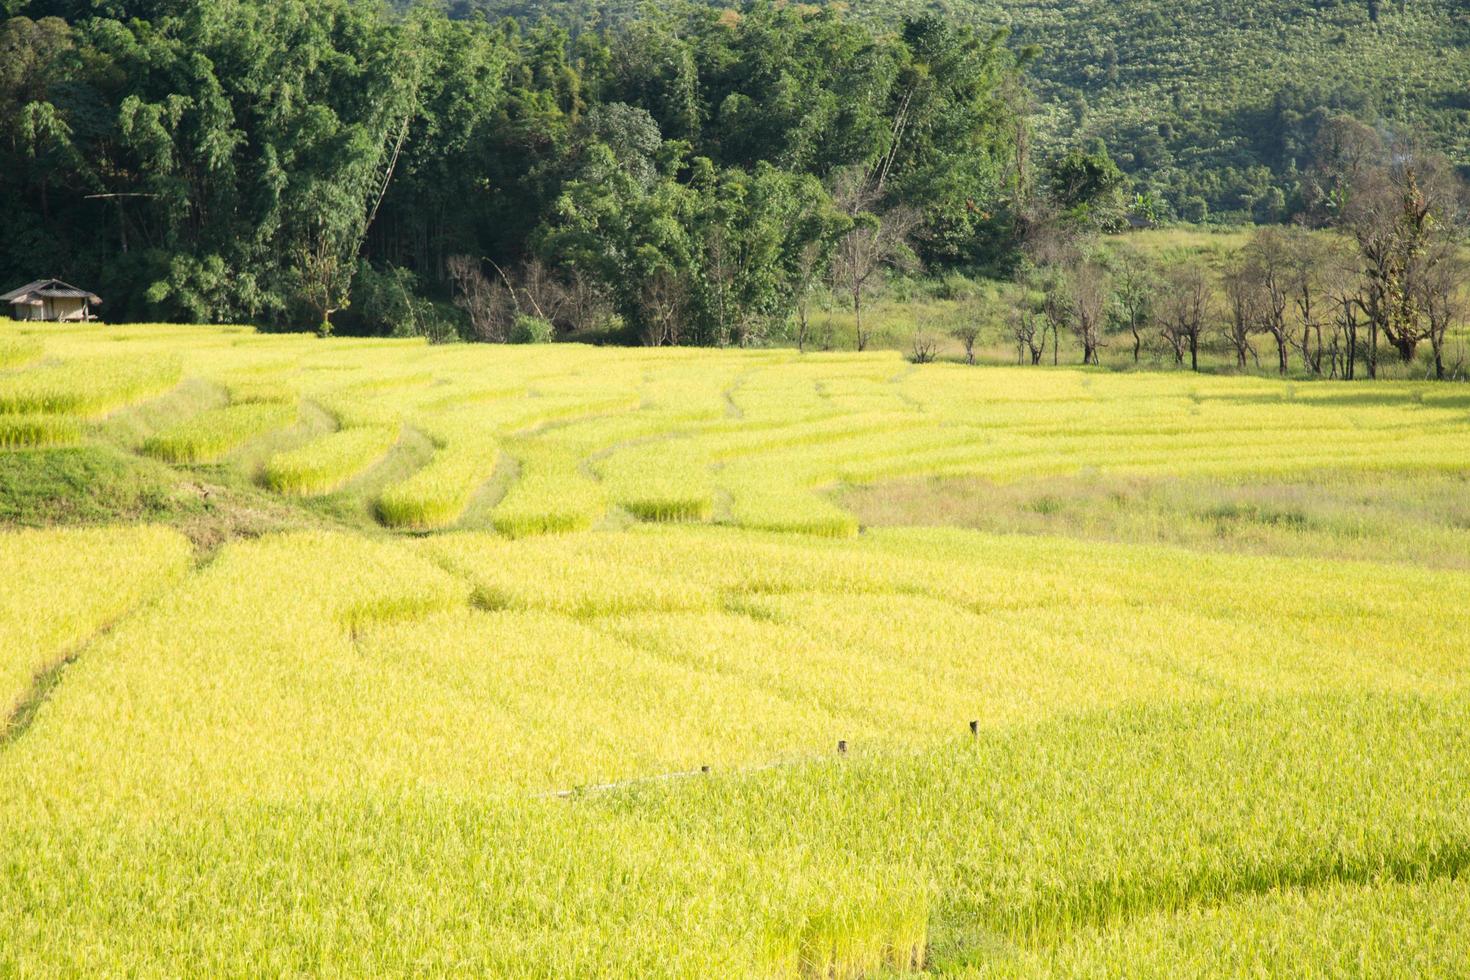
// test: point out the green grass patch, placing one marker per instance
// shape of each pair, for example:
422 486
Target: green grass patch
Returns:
84 485
1414 516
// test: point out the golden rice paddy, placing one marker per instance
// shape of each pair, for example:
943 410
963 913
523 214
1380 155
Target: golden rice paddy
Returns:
567 699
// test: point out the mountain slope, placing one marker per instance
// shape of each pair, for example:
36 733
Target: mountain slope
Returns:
1195 95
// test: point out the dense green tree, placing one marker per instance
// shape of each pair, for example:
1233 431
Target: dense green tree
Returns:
1193 96
1087 188
245 160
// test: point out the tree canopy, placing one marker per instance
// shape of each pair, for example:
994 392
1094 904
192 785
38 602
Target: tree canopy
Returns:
245 160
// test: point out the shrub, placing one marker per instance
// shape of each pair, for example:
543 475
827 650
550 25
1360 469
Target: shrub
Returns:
532 330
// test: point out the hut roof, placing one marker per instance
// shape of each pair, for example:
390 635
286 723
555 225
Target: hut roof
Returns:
49 289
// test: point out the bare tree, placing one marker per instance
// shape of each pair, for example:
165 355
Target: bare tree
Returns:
967 332
1073 287
864 256
587 303
1440 286
1185 312
665 302
1090 294
1267 271
925 346
811 262
1243 294
876 243
1343 149
1342 285
1057 307
1136 283
1029 328
976 309
533 289
1310 258
542 291
489 304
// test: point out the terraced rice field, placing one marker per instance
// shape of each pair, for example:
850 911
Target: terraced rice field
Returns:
554 684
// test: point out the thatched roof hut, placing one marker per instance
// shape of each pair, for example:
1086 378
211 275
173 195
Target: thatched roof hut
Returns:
51 299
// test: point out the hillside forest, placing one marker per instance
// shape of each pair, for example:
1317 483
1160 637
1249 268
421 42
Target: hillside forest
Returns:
692 174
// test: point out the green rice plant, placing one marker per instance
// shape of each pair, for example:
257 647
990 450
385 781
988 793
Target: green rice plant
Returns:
325 464
205 437
355 411
561 574
244 391
22 431
773 498
58 587
88 386
1149 743
19 351
662 481
438 494
552 494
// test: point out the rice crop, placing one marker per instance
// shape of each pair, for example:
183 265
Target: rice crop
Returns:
16 351
552 494
58 587
770 498
664 709
20 431
759 438
89 386
209 435
1017 849
660 482
356 412
246 391
325 464
1342 929
438 494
